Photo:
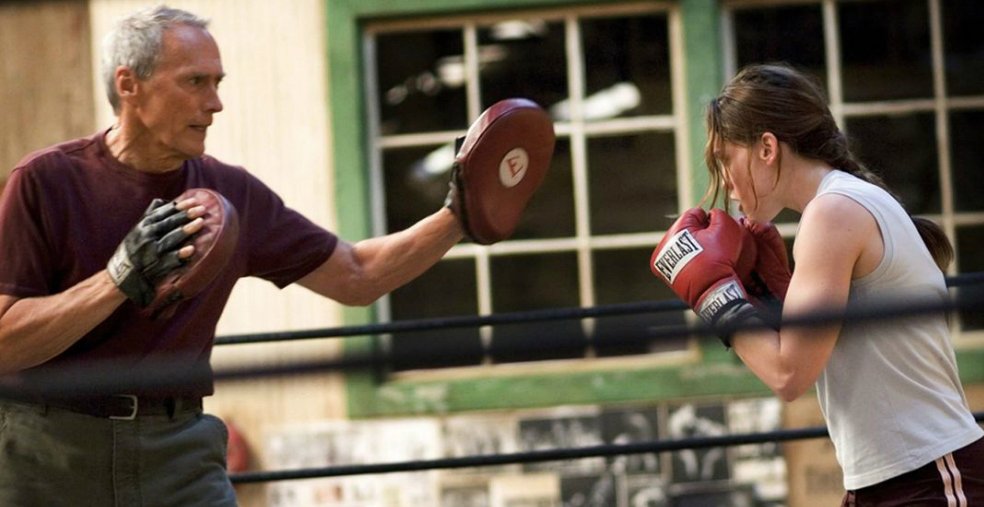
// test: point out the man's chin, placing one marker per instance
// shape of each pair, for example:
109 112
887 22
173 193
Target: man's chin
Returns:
193 151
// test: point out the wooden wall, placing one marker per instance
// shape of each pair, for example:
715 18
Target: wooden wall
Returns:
275 124
45 68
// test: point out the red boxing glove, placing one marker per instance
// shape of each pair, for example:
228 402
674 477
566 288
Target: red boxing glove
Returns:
703 259
769 280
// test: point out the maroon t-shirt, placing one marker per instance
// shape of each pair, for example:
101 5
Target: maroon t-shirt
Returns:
64 211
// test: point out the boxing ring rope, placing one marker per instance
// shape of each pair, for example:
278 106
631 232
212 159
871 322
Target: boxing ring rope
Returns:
113 376
171 373
593 451
469 321
541 455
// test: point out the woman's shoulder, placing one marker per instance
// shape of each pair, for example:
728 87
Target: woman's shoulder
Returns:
836 226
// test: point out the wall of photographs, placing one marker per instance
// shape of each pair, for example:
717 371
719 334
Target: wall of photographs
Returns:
751 475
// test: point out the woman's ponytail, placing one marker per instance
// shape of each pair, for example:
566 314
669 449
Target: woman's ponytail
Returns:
936 241
836 153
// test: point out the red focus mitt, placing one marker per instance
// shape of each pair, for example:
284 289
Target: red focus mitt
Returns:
214 245
500 163
703 258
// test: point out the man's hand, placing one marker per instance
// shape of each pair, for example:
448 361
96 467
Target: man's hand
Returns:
499 164
153 248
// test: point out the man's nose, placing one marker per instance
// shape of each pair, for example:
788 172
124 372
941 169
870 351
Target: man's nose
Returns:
214 103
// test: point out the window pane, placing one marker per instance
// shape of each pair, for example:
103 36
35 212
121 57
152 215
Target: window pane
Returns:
792 34
421 81
632 183
626 66
533 282
623 276
964 46
970 244
902 150
885 50
968 159
523 58
412 190
550 213
449 288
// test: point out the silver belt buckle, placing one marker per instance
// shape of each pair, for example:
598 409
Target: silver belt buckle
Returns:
133 413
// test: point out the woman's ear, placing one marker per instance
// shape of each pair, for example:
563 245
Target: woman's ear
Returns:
768 149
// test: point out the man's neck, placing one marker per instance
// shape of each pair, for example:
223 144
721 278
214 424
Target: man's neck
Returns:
131 149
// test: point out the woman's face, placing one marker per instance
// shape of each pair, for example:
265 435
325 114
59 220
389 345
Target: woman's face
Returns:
749 178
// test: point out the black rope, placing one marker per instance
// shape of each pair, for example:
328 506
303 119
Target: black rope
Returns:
466 321
176 374
471 321
594 451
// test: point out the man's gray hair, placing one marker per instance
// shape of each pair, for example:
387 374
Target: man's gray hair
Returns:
135 42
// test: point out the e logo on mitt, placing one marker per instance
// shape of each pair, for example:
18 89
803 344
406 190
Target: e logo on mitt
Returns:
513 166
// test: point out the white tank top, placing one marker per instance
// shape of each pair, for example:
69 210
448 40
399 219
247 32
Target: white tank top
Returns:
890 392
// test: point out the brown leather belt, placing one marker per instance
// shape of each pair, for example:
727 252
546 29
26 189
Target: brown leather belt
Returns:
128 406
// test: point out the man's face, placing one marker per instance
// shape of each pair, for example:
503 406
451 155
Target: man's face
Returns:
176 103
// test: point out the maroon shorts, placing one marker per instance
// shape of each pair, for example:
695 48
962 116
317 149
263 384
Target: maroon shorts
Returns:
954 480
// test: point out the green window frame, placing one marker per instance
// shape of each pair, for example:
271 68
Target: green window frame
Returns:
367 396
716 373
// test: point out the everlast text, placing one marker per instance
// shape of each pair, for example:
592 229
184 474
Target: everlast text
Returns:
681 248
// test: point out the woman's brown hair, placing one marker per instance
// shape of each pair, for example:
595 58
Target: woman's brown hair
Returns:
779 99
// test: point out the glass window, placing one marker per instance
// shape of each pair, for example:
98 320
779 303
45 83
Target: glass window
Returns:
970 244
630 334
551 213
885 50
792 34
604 75
964 47
536 281
419 91
923 140
632 183
967 150
626 66
522 58
413 190
901 150
443 347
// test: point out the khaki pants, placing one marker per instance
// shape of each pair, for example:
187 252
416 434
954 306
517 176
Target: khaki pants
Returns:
52 457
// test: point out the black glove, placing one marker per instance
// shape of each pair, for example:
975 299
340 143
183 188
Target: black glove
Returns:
149 251
455 200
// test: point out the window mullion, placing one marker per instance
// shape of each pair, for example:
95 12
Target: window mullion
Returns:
377 197
473 79
483 274
577 87
832 46
942 120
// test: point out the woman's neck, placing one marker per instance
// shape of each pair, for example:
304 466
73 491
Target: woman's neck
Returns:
805 176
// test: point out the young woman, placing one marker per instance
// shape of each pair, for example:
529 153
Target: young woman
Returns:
889 389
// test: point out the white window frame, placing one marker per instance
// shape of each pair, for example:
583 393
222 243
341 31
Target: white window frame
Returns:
576 131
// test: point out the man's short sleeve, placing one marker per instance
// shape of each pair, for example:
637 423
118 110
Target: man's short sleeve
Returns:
284 245
25 258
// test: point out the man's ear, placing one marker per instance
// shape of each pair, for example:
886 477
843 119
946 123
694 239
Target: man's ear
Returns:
126 83
768 150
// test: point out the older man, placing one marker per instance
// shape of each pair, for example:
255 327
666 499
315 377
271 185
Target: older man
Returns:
64 215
